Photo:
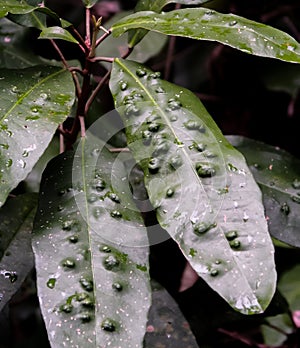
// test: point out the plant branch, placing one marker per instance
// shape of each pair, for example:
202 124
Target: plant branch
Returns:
82 43
88 27
103 37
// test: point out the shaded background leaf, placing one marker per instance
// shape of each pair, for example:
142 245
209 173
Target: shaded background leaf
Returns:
278 174
204 24
34 102
16 258
202 190
91 252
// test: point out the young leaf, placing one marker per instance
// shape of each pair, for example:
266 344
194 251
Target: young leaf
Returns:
278 174
89 3
57 33
16 220
135 36
91 252
231 30
201 187
34 102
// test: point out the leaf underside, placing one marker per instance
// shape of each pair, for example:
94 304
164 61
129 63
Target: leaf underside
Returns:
34 102
203 24
91 252
202 190
278 174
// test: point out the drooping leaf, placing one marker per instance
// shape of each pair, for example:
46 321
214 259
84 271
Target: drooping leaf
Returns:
278 174
114 47
57 33
136 36
33 103
231 30
91 252
201 187
16 258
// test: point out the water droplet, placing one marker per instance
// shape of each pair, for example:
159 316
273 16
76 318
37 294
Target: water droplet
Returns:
92 198
296 184
99 184
86 283
85 317
11 276
174 104
154 75
105 249
81 296
25 153
205 170
97 213
173 118
67 308
141 72
44 96
114 197
87 302
214 272
111 263
123 85
132 110
154 127
60 208
209 154
117 286
170 192
203 227
198 146
235 244
175 162
230 235
160 90
67 225
51 283
116 214
296 199
285 208
34 110
8 162
162 147
14 89
128 100
74 239
192 252
108 325
194 125
68 263
153 165
210 12
4 146
231 167
233 23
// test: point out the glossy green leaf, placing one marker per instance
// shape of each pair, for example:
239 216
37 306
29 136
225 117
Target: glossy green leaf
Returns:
16 258
231 30
201 187
34 102
14 7
278 174
91 251
114 47
136 36
57 33
89 3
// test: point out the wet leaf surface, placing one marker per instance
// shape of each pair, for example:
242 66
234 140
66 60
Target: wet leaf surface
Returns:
91 251
278 174
202 190
34 102
204 24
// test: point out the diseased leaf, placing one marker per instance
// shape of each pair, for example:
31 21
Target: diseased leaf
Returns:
34 102
91 251
201 187
16 220
278 174
136 36
231 30
57 33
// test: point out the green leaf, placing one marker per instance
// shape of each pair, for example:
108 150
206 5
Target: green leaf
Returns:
14 7
91 252
34 102
289 285
274 337
278 174
113 47
57 33
201 187
136 36
16 259
89 3
14 52
231 30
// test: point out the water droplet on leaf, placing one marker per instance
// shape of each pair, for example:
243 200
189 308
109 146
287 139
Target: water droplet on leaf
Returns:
123 85
235 244
117 286
285 208
111 263
51 283
205 170
230 235
116 214
153 165
170 192
140 72
86 283
108 325
68 263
